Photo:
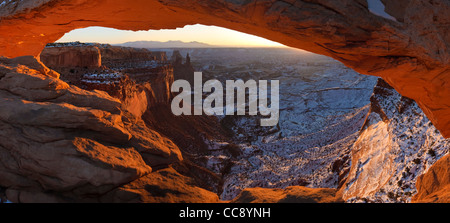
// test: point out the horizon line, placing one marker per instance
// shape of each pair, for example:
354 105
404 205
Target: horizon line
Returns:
207 45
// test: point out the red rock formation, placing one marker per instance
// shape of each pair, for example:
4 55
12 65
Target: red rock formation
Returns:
162 186
183 71
72 56
395 146
411 54
116 56
434 185
136 103
121 67
294 194
95 142
61 143
156 80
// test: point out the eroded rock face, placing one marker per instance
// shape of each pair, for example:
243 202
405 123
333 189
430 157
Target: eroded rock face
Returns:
434 185
117 55
396 145
410 52
105 67
162 186
61 143
294 194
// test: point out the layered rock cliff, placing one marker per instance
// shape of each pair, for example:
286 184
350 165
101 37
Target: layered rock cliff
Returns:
397 144
117 56
434 185
112 113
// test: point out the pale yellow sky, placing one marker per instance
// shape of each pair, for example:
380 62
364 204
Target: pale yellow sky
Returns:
212 35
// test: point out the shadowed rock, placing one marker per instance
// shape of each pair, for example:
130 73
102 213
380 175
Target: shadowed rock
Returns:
294 194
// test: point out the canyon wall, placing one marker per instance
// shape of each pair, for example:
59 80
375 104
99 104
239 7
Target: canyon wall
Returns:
94 134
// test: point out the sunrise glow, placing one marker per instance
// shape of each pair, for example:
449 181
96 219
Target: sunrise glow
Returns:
212 35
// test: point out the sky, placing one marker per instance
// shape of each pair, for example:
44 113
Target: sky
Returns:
212 35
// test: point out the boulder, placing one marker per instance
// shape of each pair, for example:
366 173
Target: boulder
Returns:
68 57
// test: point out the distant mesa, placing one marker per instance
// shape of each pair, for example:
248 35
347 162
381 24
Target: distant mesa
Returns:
168 44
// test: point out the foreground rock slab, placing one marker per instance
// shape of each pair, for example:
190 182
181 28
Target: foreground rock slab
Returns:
61 143
434 185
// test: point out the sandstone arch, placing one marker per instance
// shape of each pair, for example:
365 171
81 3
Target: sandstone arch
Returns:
411 53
